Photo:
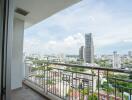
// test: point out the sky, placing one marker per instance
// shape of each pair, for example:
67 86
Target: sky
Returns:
109 21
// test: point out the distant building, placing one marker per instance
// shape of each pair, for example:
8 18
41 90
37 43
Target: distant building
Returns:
88 83
116 60
130 54
89 49
81 52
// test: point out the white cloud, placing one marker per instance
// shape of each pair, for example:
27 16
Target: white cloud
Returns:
107 28
59 46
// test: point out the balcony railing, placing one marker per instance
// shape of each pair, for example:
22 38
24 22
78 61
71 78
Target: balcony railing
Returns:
76 82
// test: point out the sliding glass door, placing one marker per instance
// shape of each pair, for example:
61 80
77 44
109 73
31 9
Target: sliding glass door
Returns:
6 26
0 48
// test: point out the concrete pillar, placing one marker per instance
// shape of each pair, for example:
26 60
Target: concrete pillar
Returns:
17 69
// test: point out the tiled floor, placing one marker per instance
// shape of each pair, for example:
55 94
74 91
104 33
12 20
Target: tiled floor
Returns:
26 93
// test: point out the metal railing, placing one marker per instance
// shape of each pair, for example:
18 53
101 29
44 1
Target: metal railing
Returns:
76 82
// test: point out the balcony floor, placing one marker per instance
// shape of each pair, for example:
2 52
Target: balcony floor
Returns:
25 93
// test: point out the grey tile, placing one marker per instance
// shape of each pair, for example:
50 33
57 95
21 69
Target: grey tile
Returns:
26 93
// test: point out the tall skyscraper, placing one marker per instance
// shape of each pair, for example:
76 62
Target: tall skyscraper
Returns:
130 54
89 49
116 60
81 53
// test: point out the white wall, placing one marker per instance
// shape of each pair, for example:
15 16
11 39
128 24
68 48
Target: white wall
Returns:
17 54
41 9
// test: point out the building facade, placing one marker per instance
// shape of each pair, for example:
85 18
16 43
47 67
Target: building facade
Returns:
81 53
130 54
116 60
89 49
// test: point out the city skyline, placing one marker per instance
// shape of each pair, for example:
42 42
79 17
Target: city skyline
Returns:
110 21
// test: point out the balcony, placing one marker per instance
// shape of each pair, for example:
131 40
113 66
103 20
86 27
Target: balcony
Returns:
58 81
26 93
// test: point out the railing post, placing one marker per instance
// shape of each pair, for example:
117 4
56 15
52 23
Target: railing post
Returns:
130 94
79 88
122 93
98 85
63 86
44 77
115 88
92 84
69 87
72 85
47 80
60 83
107 75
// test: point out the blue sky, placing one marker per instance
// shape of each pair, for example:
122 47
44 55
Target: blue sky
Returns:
110 21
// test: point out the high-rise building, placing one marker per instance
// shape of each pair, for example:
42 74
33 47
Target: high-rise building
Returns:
89 49
130 54
116 60
81 53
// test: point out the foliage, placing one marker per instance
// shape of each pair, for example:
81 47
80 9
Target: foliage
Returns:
93 97
107 88
66 79
49 68
130 76
72 62
41 68
119 84
50 82
40 76
31 58
75 69
68 69
103 63
37 68
85 91
39 62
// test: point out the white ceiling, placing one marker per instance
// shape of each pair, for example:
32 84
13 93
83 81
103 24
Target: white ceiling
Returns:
41 9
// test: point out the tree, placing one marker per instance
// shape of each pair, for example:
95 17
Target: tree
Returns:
119 84
93 97
76 69
85 91
104 63
130 76
68 69
39 62
107 88
49 68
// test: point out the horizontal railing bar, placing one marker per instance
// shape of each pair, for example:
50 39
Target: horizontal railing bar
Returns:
124 80
96 75
75 72
96 68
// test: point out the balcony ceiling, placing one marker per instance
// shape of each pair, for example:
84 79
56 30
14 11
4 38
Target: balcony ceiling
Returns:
40 9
